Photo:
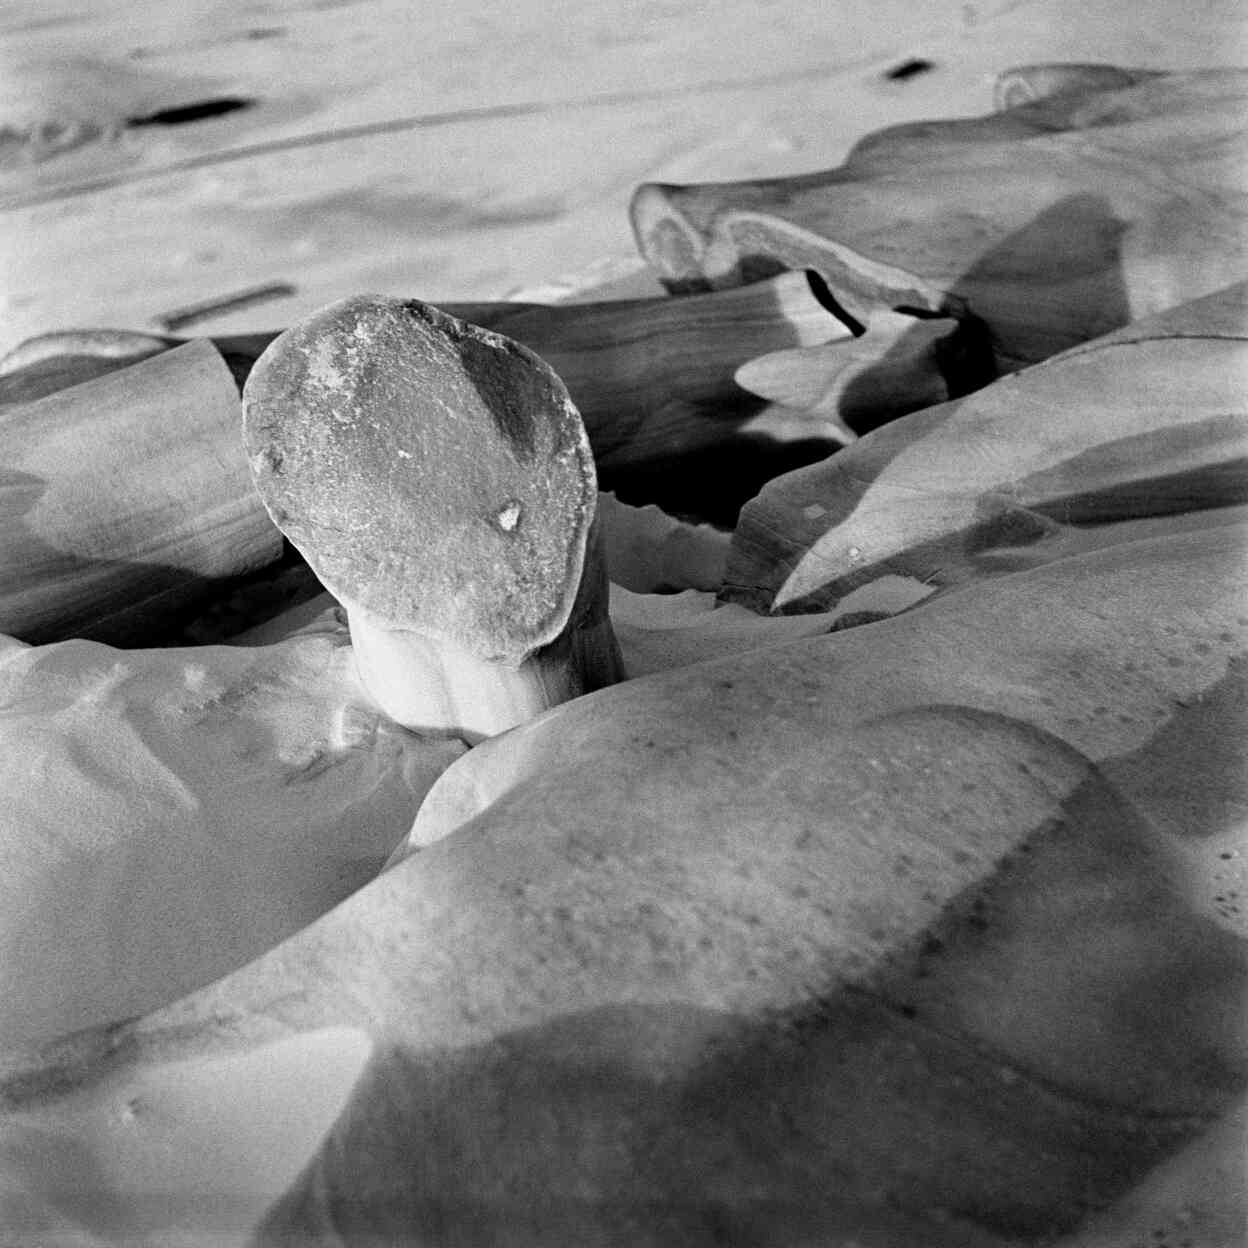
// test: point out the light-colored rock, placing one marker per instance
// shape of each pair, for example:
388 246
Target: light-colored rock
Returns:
125 500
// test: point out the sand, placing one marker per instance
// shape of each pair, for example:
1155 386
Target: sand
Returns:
170 814
458 152
188 1154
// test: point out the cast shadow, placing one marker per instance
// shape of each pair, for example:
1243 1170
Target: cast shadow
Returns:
1073 245
49 595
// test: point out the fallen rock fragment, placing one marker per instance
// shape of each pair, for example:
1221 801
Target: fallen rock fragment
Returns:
125 500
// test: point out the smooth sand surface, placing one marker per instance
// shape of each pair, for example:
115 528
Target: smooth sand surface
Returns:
182 1154
457 151
168 815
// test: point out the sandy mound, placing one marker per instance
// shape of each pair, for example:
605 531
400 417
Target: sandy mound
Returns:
56 110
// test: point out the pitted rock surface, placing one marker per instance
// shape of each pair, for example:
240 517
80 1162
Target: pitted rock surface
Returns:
430 471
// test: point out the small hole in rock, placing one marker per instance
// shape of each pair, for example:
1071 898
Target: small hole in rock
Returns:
201 110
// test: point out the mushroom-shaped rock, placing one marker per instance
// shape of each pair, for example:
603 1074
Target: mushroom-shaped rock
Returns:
439 481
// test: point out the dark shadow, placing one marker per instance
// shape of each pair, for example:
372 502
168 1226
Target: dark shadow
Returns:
60 372
1205 742
964 360
1068 256
184 114
127 603
712 477
908 69
1070 250
1064 269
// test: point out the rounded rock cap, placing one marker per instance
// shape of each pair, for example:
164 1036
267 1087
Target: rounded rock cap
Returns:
430 471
